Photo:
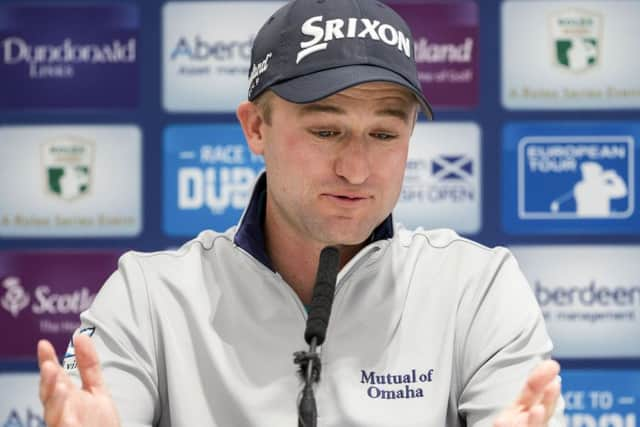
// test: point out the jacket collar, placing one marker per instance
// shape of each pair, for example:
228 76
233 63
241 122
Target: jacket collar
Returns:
250 231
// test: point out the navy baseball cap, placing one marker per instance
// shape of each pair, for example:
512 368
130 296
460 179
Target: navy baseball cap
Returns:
311 49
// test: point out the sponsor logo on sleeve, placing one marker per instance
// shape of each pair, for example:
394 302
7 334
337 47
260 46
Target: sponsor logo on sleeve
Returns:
69 362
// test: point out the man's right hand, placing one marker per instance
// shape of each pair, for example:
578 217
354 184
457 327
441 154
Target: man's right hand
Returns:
67 405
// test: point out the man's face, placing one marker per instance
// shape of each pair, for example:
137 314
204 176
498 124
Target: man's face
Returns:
335 167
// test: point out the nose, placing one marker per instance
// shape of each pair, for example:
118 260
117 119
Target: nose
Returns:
352 161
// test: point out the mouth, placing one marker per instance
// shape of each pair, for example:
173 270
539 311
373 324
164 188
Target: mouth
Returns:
340 196
346 198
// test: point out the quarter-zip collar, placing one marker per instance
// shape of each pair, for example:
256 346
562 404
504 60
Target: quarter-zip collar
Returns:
250 230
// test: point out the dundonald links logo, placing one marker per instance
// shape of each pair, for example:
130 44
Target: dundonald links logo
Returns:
576 36
68 55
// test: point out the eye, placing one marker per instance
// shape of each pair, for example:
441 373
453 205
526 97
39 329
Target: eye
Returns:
324 133
383 136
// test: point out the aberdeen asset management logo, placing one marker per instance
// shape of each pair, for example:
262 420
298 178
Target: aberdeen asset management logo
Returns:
576 37
15 298
67 163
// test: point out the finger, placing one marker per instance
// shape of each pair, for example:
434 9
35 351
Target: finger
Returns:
550 398
48 375
48 369
502 421
511 418
54 407
536 416
534 388
88 363
46 352
516 419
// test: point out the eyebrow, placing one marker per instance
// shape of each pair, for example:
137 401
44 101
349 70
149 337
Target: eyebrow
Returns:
320 108
400 113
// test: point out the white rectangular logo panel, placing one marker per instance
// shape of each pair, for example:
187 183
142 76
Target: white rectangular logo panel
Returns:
70 181
570 54
589 295
207 53
442 180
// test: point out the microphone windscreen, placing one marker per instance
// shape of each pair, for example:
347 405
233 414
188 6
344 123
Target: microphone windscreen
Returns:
323 291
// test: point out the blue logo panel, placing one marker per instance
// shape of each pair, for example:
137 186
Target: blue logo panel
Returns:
208 177
601 398
570 178
68 56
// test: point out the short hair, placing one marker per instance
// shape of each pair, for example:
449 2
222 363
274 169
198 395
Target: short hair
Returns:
263 102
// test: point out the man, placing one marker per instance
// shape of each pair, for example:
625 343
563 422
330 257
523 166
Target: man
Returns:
427 328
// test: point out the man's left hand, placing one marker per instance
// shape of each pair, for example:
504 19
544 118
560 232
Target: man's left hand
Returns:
537 401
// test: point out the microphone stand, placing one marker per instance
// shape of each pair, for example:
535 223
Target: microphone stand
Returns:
317 322
307 411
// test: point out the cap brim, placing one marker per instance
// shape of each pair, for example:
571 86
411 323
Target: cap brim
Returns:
315 86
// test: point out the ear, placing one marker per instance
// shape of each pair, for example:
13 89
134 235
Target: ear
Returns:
252 123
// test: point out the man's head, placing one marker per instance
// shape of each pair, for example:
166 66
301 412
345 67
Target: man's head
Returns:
332 115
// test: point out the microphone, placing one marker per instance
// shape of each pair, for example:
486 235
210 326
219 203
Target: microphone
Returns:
315 333
322 298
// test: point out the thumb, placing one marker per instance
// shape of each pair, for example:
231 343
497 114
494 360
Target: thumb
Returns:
533 391
88 363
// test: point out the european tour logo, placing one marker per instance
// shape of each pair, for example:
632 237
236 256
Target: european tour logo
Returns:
408 385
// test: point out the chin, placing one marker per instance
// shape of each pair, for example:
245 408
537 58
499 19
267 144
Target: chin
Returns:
348 237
